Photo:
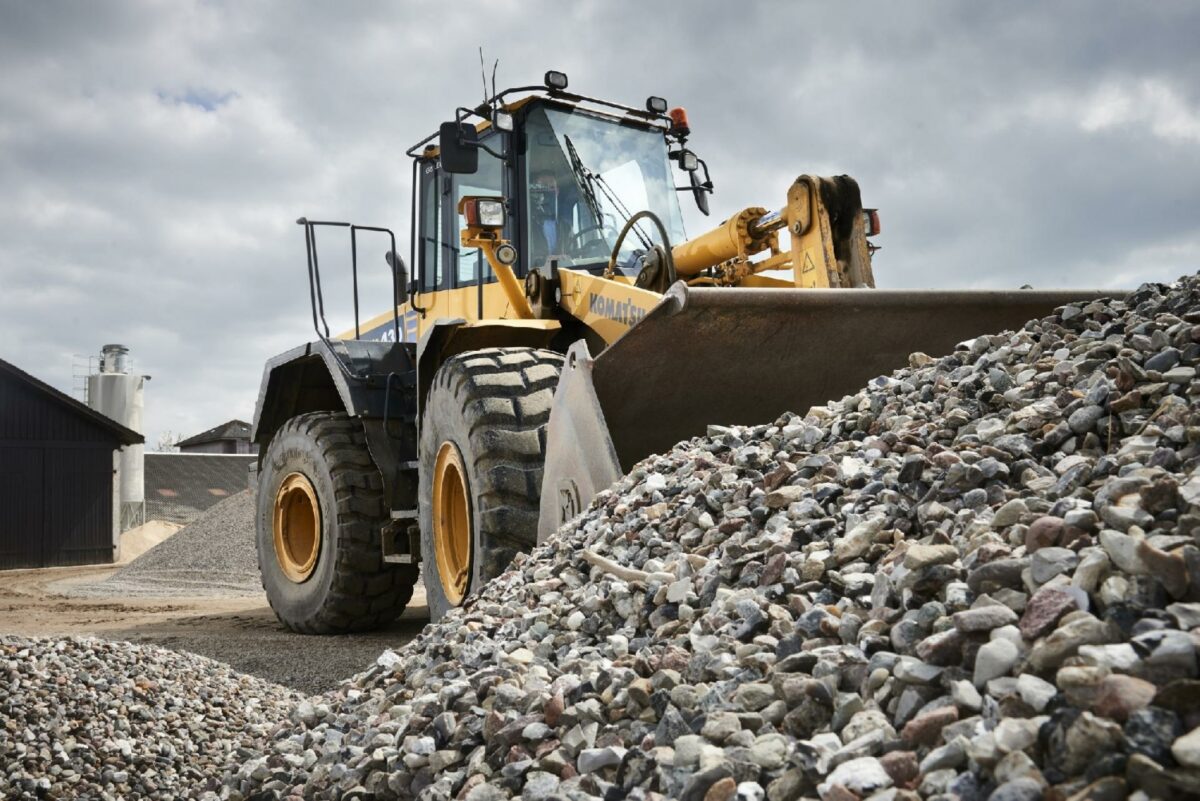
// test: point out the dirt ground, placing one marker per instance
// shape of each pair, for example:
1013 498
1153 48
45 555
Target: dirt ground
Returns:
240 631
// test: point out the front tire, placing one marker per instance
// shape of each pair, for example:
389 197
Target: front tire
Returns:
320 515
482 451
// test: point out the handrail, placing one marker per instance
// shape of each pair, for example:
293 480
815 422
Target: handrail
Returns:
315 289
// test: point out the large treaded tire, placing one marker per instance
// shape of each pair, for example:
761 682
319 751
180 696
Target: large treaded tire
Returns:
350 588
493 404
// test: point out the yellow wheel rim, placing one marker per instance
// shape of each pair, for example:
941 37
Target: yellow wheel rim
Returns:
451 523
297 527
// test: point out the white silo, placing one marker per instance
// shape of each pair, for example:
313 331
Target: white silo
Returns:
117 393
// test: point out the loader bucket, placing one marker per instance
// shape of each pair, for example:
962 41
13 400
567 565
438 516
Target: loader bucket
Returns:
730 356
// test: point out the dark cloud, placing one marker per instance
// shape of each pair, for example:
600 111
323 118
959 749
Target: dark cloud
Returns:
154 157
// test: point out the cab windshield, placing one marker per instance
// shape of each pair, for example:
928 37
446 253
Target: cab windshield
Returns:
586 176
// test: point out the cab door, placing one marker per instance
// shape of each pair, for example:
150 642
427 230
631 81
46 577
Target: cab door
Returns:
431 251
473 292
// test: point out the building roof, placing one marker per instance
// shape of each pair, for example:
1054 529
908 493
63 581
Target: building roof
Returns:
233 429
122 434
179 486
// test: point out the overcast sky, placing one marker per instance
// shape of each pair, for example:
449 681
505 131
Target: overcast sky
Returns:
154 156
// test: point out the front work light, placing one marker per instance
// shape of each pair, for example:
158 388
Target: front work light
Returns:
656 104
556 80
502 121
482 211
688 161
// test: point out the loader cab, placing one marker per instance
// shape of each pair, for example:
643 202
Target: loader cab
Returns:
572 174
584 174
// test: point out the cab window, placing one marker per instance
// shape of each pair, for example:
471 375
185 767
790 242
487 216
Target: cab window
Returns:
470 265
430 228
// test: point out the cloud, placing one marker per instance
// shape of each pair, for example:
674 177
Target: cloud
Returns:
155 156
1149 103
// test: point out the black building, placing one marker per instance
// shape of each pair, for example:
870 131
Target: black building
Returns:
229 437
57 476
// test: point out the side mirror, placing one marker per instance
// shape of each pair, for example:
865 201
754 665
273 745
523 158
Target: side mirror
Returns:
401 272
699 192
458 143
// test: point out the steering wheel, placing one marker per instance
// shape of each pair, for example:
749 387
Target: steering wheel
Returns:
575 243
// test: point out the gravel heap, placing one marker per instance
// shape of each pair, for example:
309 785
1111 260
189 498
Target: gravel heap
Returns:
977 577
214 555
83 718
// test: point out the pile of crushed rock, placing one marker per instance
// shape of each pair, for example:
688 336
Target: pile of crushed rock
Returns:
213 555
976 578
83 718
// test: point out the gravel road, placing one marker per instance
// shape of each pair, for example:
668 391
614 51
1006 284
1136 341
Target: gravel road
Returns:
241 631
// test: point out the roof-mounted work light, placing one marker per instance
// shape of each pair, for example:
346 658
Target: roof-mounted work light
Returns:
502 121
657 105
556 80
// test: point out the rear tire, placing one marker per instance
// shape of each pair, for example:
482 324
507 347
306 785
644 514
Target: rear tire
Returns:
487 412
335 581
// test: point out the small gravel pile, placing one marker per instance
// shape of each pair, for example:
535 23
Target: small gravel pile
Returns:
83 718
978 577
214 555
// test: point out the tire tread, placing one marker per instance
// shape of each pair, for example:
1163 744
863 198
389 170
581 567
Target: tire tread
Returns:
366 592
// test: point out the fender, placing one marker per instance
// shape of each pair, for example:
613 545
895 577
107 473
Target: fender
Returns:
449 337
343 375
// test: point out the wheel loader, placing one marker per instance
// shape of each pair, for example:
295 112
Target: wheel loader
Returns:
556 327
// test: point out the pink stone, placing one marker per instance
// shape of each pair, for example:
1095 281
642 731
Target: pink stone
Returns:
926 729
1043 611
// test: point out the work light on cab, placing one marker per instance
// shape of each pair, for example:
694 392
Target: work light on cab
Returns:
503 121
483 212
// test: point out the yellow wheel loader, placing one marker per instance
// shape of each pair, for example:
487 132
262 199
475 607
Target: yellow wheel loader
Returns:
556 327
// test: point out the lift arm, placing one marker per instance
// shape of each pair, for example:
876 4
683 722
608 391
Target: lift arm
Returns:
824 217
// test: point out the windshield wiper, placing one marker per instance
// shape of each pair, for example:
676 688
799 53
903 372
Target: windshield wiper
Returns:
583 177
588 180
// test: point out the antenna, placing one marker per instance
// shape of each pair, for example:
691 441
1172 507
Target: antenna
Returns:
494 66
483 75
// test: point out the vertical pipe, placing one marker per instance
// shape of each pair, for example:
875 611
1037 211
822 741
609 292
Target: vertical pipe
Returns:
354 277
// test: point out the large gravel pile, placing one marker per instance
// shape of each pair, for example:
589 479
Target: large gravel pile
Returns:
978 577
82 718
214 555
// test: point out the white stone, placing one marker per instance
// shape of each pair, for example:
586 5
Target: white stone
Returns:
1034 691
1122 549
1015 734
687 750
1186 749
995 659
965 695
862 776
677 591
